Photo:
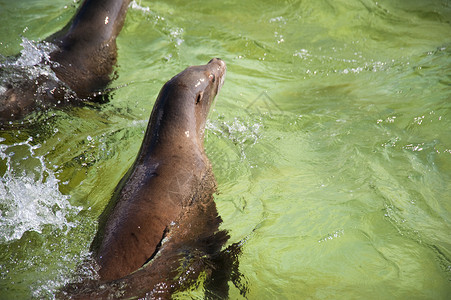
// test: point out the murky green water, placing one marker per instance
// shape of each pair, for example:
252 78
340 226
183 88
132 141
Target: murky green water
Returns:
330 141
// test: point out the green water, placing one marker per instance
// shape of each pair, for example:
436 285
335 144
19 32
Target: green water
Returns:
330 142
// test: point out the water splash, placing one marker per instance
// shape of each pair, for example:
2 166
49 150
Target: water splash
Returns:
135 5
32 63
239 134
30 201
174 33
331 236
33 53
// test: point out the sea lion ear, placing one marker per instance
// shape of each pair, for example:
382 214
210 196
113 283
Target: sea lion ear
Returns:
212 77
199 97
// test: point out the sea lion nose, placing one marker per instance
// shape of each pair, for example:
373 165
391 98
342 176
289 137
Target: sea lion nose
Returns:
218 61
214 59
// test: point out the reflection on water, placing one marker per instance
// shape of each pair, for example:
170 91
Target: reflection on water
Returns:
330 142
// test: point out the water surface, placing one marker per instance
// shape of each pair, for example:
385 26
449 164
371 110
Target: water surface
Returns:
330 142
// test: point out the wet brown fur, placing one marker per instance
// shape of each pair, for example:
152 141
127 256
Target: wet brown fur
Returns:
162 219
83 62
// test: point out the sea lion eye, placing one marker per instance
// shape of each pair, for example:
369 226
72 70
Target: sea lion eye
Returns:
199 97
212 77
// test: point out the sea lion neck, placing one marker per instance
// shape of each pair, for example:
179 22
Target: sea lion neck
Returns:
96 23
171 117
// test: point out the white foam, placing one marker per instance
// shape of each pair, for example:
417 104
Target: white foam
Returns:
303 53
34 53
238 133
30 201
137 6
33 62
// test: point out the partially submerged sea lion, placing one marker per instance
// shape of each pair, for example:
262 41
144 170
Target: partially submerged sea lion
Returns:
170 174
161 227
82 62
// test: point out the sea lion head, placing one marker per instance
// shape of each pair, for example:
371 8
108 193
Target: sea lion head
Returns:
182 106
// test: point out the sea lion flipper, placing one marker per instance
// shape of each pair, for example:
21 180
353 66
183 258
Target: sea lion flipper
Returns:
226 269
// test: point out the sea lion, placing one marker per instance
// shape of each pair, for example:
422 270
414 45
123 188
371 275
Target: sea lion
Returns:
160 229
82 61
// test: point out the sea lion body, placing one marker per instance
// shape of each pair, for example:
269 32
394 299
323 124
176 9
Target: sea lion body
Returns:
87 49
163 208
82 62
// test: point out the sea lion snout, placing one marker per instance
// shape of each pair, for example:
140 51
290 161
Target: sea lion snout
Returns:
219 67
218 61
